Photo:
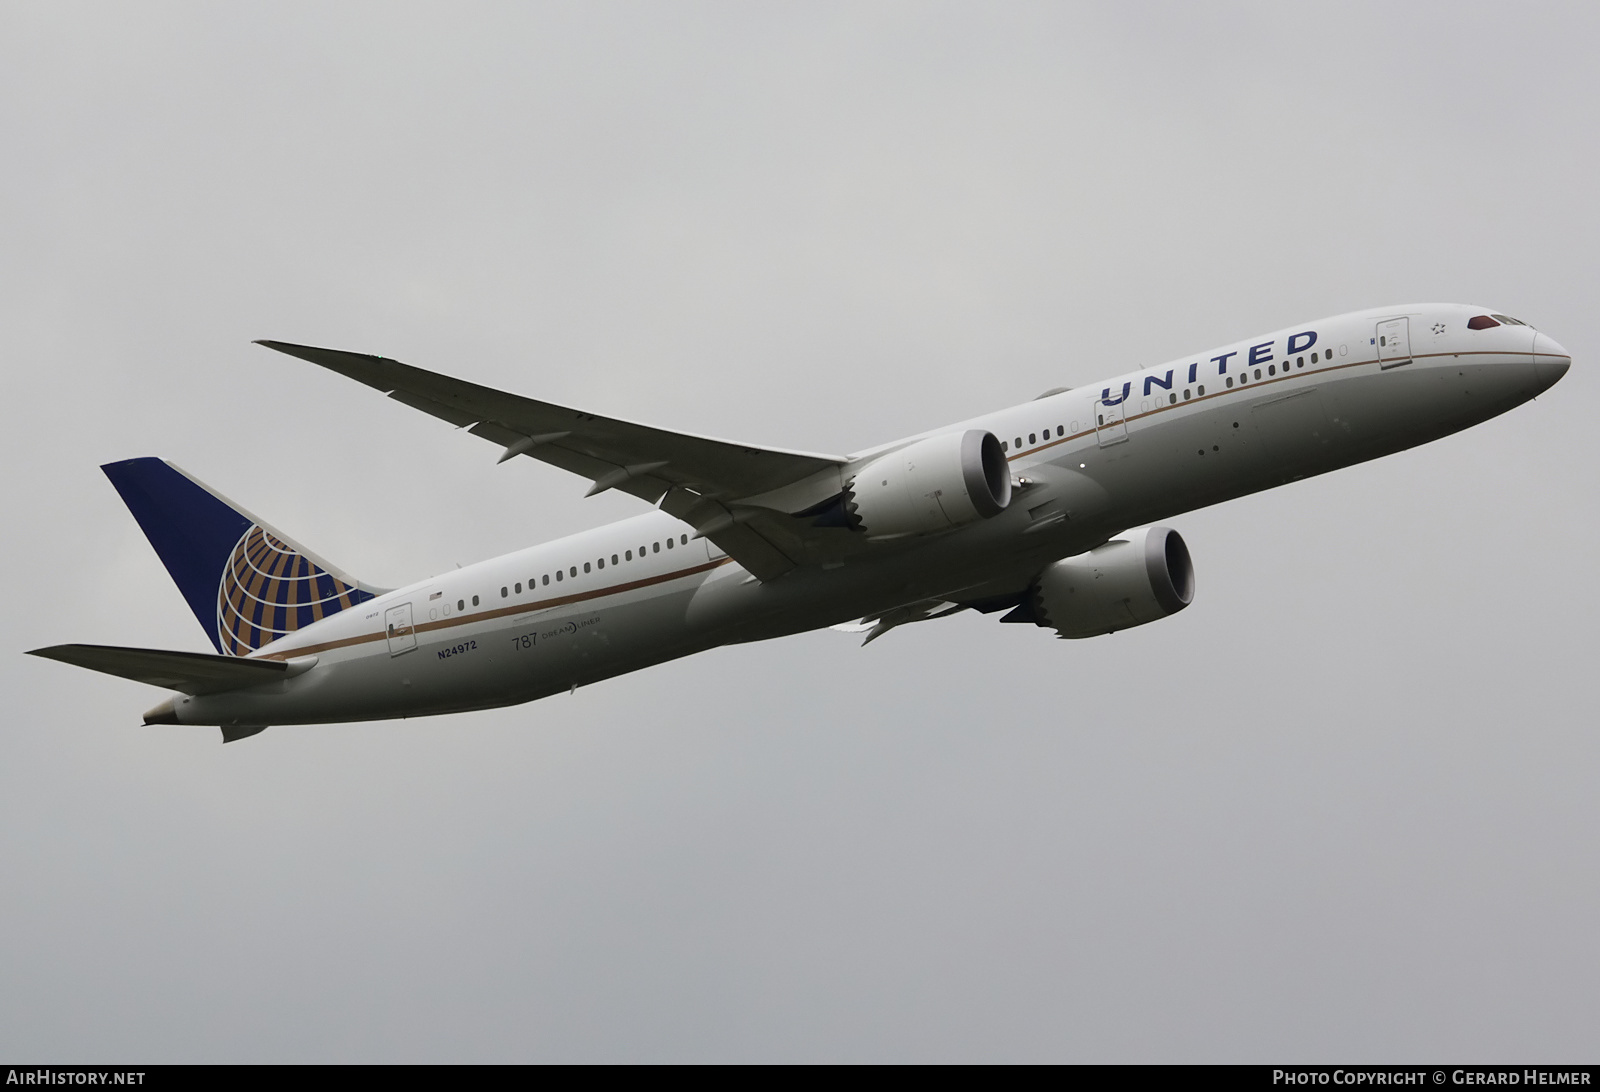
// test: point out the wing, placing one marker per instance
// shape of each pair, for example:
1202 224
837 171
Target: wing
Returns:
740 497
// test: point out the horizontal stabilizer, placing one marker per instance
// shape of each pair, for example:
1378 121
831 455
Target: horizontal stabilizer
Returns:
189 672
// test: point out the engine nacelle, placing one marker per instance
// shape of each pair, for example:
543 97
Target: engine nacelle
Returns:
1137 577
934 484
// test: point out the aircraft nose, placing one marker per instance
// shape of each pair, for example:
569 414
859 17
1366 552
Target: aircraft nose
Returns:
1551 360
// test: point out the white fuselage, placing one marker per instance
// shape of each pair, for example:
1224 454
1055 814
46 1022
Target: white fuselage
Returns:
1087 464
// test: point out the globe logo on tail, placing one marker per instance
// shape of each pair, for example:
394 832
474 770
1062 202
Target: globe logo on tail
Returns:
270 590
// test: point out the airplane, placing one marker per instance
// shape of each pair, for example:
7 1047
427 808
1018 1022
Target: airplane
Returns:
1047 513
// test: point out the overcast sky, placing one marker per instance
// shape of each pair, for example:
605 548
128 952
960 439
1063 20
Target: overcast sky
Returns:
1342 808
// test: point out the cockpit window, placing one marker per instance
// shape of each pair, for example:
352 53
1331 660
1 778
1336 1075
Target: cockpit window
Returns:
1508 320
1481 322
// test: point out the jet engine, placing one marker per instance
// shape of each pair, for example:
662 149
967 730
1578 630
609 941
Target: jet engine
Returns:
935 484
1137 577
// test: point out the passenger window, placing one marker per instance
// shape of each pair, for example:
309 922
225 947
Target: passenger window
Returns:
628 555
474 600
655 547
1060 431
1186 394
601 563
519 587
1258 373
1272 369
1230 381
669 544
1313 358
558 577
1005 445
683 540
585 566
504 591
1032 438
1202 391
573 572
547 577
613 559
1019 442
461 604
1300 362
1172 399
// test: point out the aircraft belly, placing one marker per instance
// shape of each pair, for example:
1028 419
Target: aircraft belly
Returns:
1377 415
503 662
352 686
1243 445
1197 457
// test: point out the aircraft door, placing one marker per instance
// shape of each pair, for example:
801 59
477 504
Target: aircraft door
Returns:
1110 422
397 625
1394 343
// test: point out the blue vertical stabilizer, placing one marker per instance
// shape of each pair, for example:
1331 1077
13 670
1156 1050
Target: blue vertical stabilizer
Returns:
246 583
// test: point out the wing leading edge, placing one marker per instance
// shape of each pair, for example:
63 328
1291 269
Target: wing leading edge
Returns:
716 486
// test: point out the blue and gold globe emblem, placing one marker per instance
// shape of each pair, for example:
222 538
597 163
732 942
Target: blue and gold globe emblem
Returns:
269 589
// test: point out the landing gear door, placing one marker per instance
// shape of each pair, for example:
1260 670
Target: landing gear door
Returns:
397 626
1394 343
1110 424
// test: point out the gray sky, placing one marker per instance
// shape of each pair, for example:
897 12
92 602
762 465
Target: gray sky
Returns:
1343 808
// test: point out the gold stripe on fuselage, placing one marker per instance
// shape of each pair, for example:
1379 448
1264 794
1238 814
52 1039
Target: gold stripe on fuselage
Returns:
500 612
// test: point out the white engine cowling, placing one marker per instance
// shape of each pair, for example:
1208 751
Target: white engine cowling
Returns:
1137 577
934 484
